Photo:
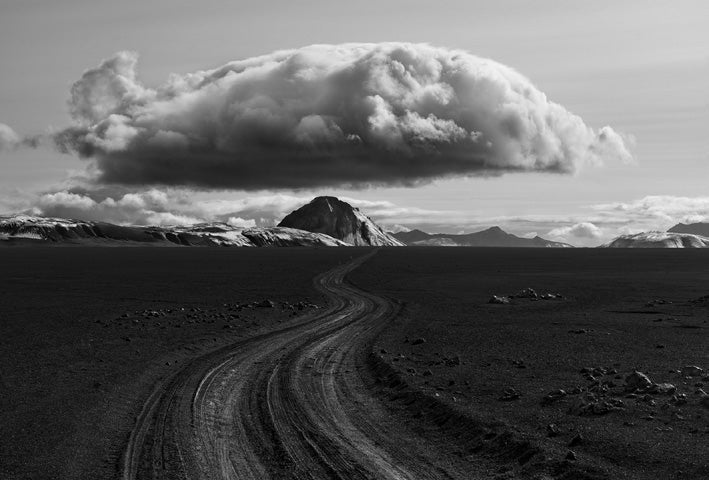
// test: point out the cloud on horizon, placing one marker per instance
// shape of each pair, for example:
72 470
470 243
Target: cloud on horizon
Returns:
586 232
180 206
326 115
662 210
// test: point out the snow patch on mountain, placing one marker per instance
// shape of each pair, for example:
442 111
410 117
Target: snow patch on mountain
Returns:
659 240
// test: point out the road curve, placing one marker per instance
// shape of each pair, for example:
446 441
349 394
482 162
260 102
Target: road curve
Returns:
292 403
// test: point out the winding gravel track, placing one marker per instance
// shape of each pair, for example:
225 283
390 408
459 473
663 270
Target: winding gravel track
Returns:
292 403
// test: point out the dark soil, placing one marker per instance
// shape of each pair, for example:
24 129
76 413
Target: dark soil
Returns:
496 364
85 333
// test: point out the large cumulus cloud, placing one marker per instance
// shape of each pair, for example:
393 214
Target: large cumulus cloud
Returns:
351 114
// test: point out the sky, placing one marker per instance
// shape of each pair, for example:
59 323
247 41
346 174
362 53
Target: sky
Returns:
591 120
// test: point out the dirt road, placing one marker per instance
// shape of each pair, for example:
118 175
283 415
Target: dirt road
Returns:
292 403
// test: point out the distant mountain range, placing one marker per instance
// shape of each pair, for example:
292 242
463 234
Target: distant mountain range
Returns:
324 222
695 235
492 237
659 240
25 229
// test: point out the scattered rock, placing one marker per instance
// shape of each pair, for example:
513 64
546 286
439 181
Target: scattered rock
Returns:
265 304
637 381
499 300
509 394
579 331
571 456
526 293
418 341
593 404
427 373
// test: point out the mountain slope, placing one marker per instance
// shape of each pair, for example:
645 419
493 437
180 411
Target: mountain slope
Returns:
492 237
332 216
24 229
659 240
692 228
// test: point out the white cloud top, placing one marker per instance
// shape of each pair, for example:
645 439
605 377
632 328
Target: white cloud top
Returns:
325 115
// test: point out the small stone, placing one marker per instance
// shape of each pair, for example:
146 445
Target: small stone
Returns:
577 440
427 373
691 371
552 430
453 362
571 456
418 341
554 396
509 394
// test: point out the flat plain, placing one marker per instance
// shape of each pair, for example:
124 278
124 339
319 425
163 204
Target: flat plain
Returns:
86 333
622 311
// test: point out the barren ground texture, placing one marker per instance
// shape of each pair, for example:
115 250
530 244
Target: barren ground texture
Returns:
353 363
552 372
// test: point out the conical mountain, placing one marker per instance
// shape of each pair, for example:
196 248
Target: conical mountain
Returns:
332 216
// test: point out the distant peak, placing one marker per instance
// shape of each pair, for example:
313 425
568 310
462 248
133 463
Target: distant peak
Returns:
337 218
495 229
324 199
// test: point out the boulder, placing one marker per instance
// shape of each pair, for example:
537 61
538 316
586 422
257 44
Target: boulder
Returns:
499 300
691 371
637 381
664 388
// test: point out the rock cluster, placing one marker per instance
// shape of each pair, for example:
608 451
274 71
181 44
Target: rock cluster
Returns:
525 293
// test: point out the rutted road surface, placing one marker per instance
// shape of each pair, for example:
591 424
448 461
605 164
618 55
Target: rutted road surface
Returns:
292 403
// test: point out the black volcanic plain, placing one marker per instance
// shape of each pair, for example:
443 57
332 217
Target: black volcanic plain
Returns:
86 332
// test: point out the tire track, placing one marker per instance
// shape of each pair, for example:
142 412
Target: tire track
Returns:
288 404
